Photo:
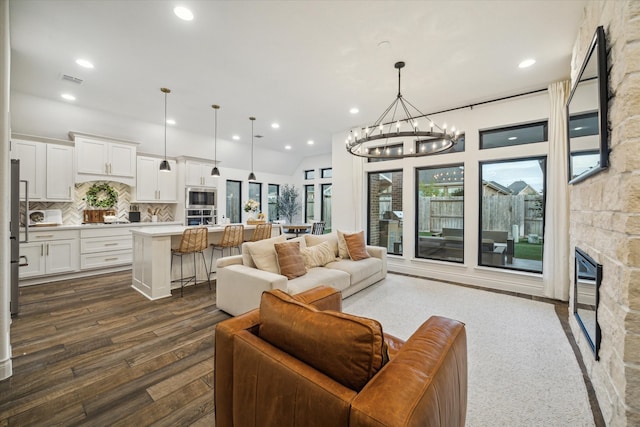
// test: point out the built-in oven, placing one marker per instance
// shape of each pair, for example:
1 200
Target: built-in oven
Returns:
200 198
200 216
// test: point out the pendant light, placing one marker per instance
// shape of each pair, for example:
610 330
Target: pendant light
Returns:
215 171
164 165
252 176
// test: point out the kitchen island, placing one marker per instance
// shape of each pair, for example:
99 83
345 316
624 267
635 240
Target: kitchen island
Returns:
152 257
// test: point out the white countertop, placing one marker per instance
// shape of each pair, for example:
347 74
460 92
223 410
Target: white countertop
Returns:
179 229
104 225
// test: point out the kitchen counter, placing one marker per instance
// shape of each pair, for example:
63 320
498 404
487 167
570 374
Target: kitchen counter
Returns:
152 257
101 225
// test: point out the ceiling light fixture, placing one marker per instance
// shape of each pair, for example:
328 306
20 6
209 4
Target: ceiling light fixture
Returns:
183 13
527 63
68 97
171 122
164 165
252 176
310 142
354 110
84 63
287 147
235 137
215 171
439 138
275 125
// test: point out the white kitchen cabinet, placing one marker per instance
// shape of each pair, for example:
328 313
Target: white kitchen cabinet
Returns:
199 174
154 185
47 167
101 159
106 247
50 252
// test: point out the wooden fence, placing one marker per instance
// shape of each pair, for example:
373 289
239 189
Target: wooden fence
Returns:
498 213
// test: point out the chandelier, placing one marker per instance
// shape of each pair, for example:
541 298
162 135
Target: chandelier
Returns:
430 137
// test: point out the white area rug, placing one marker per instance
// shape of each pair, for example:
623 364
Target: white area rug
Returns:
522 370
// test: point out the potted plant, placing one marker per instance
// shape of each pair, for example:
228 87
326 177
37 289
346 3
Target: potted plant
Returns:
288 203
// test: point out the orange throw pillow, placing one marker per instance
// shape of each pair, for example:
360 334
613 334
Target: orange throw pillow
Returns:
290 261
356 246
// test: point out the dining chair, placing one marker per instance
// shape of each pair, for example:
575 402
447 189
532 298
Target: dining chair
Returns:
317 227
194 240
232 237
262 231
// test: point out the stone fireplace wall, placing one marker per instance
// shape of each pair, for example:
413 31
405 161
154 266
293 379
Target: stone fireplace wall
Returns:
605 215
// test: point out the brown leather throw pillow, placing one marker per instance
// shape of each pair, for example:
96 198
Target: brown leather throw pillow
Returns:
290 261
356 246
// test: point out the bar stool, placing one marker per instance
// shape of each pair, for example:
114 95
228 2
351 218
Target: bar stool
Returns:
262 231
232 237
194 240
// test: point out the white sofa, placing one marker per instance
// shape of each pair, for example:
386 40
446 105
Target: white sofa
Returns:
240 283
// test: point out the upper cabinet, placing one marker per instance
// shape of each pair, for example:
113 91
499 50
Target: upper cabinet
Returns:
154 185
198 174
104 159
47 167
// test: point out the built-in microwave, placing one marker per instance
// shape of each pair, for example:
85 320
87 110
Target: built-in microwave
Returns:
199 198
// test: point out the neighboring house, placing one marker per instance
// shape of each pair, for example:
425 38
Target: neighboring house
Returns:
521 188
492 188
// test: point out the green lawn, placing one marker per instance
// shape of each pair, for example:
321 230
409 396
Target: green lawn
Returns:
528 250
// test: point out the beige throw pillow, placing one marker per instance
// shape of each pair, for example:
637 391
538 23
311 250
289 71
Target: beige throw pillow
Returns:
331 238
318 255
263 253
290 261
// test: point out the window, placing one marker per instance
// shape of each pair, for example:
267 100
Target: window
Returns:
308 203
514 135
440 213
457 148
385 210
583 131
234 201
388 149
273 193
325 206
309 174
512 195
255 193
326 173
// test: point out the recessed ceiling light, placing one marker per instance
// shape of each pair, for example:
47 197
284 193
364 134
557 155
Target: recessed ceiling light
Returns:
512 138
84 63
354 110
287 147
310 142
527 63
235 137
68 97
171 122
275 125
183 13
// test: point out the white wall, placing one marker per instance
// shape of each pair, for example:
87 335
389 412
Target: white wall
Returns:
33 115
350 188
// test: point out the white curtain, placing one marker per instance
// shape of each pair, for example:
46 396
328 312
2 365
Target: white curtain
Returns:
556 234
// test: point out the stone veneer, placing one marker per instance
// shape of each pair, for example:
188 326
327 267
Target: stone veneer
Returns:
605 215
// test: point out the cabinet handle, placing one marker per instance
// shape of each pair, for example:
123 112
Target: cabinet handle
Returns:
69 191
110 165
42 249
158 194
111 259
47 248
111 244
106 168
43 236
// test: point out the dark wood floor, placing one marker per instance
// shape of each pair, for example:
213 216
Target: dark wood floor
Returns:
95 352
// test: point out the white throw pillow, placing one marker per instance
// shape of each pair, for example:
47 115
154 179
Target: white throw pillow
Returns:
343 252
316 239
318 255
264 254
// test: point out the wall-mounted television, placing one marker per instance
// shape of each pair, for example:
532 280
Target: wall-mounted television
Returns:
587 111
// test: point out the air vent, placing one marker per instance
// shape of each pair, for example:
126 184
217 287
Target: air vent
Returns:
72 79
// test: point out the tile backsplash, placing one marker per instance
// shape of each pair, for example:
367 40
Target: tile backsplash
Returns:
72 211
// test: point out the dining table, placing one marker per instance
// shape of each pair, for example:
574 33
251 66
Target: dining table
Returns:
296 228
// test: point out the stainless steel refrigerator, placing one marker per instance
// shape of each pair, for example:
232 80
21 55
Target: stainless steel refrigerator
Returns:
14 232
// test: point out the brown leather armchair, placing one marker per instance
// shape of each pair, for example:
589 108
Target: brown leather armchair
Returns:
424 382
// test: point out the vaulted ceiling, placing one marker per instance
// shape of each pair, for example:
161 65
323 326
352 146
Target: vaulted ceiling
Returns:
301 64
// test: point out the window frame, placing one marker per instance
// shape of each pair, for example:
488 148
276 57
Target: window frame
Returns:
253 184
306 201
239 206
322 173
543 122
480 218
269 186
309 174
327 224
368 220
